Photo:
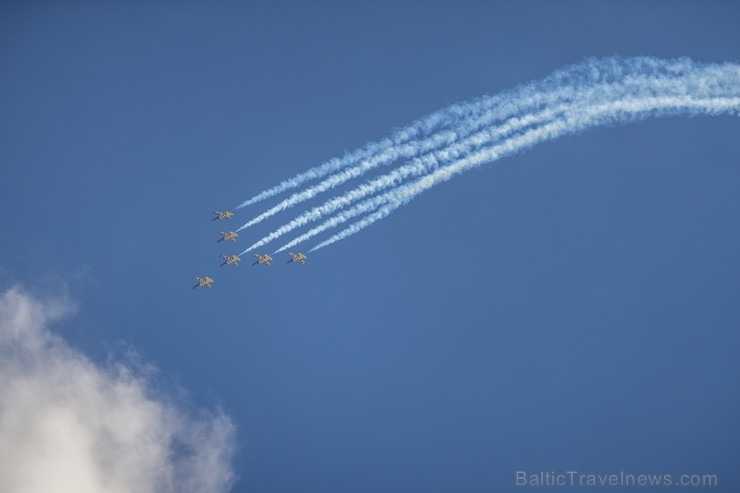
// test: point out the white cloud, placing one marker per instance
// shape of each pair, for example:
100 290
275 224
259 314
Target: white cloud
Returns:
69 425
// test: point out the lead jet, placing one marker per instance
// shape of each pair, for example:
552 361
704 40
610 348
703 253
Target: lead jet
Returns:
262 259
233 260
222 215
297 257
207 282
231 235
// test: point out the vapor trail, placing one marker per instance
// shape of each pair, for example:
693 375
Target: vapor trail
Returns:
417 167
561 84
422 126
711 78
341 217
416 148
622 111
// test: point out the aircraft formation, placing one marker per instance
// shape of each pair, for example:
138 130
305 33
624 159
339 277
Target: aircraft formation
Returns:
264 259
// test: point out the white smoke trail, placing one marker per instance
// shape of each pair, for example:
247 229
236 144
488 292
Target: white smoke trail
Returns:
422 126
362 208
622 111
388 156
561 84
708 79
410 150
417 167
662 78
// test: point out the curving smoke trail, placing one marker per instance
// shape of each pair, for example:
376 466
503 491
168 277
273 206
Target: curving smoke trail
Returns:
622 111
485 117
675 78
597 92
423 126
416 168
342 217
468 117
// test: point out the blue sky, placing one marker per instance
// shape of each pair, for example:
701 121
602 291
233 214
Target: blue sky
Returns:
573 307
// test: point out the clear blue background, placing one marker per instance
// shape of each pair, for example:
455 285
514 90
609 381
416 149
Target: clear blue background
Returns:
575 307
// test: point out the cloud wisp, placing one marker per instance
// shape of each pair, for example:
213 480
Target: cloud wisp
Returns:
68 424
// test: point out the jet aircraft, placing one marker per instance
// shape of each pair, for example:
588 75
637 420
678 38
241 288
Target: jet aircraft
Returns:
222 215
207 282
262 259
297 257
233 260
231 235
